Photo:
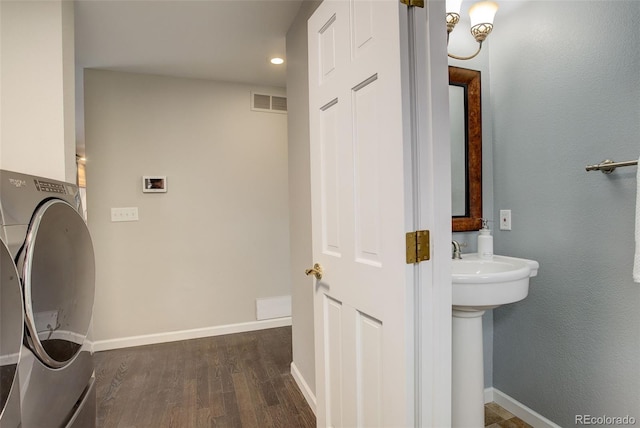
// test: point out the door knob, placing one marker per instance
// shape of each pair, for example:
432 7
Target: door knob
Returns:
316 271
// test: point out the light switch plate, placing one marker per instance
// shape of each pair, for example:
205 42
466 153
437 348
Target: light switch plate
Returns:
124 214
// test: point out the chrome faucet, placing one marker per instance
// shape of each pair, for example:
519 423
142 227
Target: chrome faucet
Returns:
456 250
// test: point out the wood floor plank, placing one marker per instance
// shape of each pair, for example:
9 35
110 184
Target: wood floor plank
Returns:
216 405
174 418
231 411
295 397
202 378
226 368
215 370
269 393
133 376
279 416
204 418
156 364
190 405
245 404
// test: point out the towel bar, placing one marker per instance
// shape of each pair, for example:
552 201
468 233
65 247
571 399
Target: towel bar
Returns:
608 166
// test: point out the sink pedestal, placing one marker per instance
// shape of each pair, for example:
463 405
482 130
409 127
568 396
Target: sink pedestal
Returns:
467 385
479 285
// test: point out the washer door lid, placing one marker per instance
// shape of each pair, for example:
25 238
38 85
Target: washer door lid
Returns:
59 282
11 325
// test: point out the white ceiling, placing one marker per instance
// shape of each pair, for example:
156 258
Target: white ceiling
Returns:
227 40
224 40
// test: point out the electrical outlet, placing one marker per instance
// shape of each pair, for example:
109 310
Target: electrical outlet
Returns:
124 214
505 219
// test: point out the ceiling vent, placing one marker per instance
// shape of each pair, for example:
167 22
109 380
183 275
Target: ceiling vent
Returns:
268 103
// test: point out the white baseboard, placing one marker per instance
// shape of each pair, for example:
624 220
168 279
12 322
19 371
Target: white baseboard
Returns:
196 333
517 409
309 395
488 395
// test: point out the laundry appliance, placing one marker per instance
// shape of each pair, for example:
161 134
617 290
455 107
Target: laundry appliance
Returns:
11 328
49 242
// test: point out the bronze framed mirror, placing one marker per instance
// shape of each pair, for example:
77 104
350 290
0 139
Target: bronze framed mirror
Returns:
466 149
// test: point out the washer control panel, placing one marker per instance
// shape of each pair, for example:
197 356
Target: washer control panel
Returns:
47 186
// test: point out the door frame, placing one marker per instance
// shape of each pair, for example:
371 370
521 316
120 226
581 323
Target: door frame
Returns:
430 161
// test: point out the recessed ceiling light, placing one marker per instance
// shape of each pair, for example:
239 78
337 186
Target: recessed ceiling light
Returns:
277 61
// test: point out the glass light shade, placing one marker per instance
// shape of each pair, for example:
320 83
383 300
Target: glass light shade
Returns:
453 6
483 12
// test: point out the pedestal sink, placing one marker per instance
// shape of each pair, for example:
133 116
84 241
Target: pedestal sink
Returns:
478 285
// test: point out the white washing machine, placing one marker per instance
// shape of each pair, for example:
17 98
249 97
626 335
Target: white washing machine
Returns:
11 328
50 244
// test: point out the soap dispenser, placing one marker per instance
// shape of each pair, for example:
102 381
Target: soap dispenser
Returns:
485 241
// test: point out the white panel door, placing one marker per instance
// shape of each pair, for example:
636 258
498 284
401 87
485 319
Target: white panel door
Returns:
360 201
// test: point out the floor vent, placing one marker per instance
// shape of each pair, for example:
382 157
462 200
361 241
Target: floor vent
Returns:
268 103
273 307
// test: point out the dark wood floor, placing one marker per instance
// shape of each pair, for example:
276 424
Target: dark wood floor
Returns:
237 380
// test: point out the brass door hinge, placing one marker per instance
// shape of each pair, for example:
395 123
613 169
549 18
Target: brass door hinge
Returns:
416 3
418 246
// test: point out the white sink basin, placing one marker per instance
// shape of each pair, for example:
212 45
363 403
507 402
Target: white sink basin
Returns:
480 284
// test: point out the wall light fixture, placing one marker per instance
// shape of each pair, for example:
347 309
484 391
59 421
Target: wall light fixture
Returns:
481 15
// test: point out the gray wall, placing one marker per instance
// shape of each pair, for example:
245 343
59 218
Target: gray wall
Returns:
564 95
299 197
219 238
